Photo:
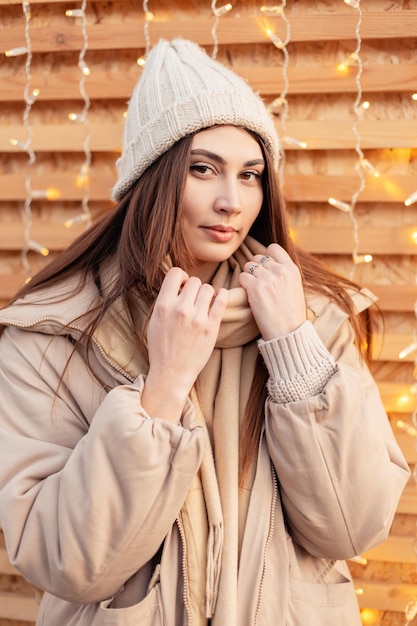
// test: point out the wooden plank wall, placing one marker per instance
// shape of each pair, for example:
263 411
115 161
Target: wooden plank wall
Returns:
321 112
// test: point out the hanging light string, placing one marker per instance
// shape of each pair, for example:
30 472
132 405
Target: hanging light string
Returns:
148 18
29 98
280 106
217 12
83 179
362 164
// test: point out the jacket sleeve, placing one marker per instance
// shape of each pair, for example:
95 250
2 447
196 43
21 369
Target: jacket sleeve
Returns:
340 470
82 508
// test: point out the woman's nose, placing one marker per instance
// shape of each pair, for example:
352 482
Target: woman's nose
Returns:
228 200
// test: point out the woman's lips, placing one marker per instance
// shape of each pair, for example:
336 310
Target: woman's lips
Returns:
221 234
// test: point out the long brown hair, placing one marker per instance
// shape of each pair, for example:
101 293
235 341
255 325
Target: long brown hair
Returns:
144 230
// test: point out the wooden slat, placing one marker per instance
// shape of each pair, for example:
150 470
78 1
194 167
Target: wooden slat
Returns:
397 398
395 549
297 188
407 445
5 566
318 188
395 297
408 501
385 596
18 606
387 347
316 239
118 84
231 30
339 240
11 2
319 135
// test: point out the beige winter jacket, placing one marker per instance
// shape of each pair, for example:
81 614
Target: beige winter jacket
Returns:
91 487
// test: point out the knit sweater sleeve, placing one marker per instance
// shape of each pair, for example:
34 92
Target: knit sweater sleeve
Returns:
299 364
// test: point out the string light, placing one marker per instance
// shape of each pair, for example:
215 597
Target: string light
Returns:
272 10
30 96
411 199
15 52
279 106
147 19
83 179
412 347
362 165
342 206
217 12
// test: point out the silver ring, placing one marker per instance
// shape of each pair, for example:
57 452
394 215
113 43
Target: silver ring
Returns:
265 259
252 266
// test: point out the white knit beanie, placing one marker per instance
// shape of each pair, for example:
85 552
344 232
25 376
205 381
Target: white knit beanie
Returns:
183 90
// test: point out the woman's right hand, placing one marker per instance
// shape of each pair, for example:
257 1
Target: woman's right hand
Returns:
181 336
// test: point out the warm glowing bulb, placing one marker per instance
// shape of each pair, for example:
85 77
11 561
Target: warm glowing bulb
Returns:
141 61
411 199
72 117
83 217
414 236
52 194
74 13
37 247
149 16
366 104
338 204
343 68
408 350
362 258
278 43
15 52
370 617
414 96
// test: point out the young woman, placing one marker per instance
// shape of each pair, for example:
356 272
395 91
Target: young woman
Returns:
189 431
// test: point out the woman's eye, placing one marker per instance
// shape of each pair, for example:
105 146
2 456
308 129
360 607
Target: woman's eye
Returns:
251 176
200 168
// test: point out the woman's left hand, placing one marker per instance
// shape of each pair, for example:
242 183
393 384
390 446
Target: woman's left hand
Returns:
275 292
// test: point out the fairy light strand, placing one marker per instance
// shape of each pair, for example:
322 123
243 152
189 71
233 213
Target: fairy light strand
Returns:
147 19
29 98
217 12
281 102
362 166
83 179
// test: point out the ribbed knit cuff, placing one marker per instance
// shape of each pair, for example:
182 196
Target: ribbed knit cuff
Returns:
299 364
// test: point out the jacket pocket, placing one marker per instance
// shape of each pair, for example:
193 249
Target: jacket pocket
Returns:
319 604
148 612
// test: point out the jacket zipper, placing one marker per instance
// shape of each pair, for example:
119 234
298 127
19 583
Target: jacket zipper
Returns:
184 568
116 367
267 543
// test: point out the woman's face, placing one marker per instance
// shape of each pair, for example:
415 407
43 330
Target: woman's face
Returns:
223 195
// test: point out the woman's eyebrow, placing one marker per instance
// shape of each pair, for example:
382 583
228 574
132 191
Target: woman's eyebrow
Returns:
221 160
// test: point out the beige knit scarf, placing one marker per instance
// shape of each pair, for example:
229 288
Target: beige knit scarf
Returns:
219 396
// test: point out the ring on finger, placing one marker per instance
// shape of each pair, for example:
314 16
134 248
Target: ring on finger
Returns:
265 259
252 267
